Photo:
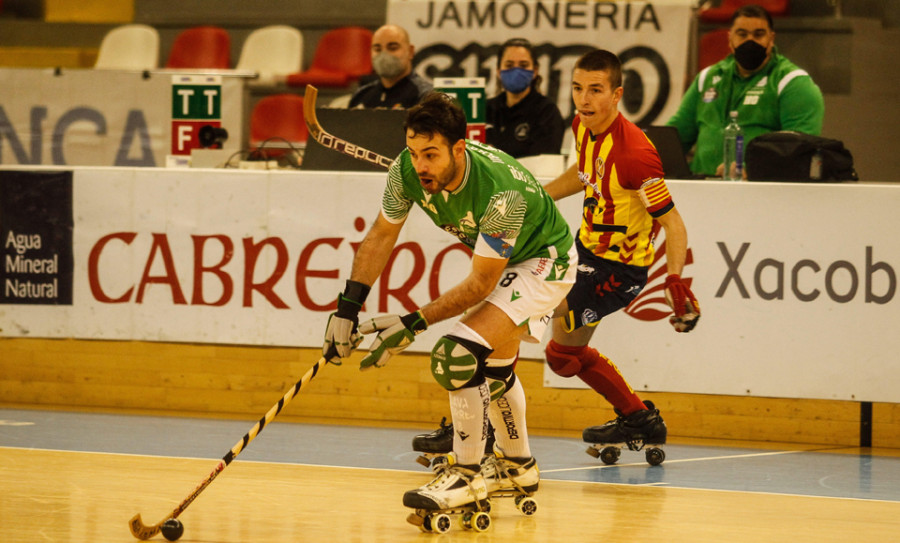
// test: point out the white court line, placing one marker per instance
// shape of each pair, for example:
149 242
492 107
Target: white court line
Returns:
554 481
702 459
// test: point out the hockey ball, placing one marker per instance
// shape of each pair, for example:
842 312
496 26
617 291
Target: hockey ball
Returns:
172 529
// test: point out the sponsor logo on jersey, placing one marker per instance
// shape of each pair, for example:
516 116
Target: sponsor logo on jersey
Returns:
599 168
470 241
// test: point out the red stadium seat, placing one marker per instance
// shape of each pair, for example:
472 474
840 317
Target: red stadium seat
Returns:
201 47
342 56
712 48
723 12
279 118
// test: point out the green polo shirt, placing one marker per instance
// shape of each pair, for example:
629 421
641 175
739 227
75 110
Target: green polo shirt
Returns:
781 96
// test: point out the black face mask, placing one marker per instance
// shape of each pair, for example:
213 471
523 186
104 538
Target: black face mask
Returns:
750 55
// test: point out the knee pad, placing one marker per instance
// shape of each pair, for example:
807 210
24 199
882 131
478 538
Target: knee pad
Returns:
500 378
564 360
458 362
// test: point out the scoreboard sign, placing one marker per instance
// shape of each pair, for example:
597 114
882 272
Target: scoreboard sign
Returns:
470 93
196 102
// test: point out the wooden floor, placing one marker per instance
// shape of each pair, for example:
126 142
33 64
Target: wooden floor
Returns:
59 493
88 497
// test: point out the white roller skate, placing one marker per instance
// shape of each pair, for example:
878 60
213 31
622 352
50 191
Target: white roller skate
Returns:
456 490
516 478
643 429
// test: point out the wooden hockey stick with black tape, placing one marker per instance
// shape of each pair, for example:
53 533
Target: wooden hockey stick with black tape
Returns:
334 142
143 532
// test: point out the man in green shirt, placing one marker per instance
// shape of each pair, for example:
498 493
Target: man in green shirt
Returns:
768 91
523 265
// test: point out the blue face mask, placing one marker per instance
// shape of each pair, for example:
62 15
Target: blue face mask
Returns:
516 80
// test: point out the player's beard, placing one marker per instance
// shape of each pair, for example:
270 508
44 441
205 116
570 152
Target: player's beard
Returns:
441 180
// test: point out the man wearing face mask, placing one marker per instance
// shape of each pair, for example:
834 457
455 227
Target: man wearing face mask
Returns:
520 120
396 86
768 91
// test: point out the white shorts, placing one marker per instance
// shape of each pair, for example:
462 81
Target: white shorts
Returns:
531 290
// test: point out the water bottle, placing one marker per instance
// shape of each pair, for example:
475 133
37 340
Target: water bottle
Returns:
734 150
815 166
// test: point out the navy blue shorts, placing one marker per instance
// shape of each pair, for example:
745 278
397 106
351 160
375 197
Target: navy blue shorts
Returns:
601 287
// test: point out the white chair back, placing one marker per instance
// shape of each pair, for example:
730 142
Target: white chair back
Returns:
129 47
272 51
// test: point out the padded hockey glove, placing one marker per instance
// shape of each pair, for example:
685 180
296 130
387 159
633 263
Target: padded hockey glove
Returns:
341 334
395 333
683 303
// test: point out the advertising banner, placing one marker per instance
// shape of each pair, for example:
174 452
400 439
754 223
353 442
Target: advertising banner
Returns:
36 229
461 38
108 117
797 283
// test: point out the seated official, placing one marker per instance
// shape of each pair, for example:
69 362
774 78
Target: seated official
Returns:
396 85
520 120
768 91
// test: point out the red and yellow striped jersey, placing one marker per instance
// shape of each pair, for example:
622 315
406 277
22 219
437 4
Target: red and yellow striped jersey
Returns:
624 190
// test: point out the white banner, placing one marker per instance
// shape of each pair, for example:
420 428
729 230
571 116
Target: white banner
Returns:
797 283
461 38
85 117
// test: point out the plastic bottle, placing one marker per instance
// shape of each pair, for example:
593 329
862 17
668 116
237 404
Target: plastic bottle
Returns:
815 166
734 150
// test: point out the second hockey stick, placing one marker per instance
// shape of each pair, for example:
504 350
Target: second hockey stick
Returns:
334 142
144 532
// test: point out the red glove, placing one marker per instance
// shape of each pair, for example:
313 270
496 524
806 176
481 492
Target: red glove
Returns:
683 303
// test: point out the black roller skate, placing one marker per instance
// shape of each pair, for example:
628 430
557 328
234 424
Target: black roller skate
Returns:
644 428
437 444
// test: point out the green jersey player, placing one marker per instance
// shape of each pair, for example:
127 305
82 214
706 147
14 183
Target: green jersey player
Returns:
523 265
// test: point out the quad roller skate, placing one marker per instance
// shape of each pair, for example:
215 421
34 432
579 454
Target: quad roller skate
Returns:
516 478
643 429
457 491
435 445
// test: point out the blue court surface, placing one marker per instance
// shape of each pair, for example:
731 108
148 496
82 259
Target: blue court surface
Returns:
807 470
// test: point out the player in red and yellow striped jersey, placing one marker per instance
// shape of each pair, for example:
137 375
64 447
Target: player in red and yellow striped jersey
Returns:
625 204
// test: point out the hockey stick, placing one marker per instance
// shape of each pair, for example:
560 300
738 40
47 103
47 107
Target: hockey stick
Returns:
143 532
333 142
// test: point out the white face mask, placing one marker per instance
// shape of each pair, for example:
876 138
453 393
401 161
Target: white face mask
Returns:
387 65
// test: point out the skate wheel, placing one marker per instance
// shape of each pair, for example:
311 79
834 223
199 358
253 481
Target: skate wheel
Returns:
593 452
526 505
424 461
486 506
478 521
610 455
425 524
441 523
655 456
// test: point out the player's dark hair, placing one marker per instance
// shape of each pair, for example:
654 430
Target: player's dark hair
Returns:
601 60
525 44
753 11
437 113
